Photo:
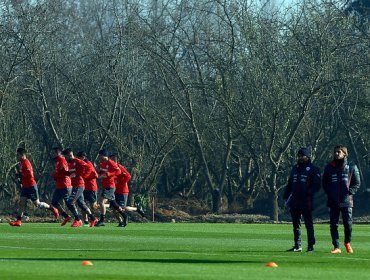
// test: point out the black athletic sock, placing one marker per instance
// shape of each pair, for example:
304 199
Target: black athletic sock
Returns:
92 217
125 218
73 209
102 218
116 206
64 214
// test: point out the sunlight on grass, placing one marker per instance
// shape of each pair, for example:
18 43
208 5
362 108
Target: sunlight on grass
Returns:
175 251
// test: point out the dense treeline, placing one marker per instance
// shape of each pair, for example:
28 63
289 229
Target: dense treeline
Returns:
194 95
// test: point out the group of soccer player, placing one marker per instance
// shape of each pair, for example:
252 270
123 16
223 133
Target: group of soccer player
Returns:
76 183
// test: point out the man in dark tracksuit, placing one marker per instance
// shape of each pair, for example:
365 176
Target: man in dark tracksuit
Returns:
341 181
304 181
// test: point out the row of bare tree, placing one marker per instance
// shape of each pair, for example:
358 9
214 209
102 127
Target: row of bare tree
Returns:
194 95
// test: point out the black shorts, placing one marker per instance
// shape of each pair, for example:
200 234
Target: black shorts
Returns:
30 193
60 194
121 199
90 196
108 193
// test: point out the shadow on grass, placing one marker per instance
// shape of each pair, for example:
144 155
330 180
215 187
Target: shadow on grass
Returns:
185 261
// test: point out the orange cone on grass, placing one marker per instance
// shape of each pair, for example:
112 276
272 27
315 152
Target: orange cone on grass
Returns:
271 264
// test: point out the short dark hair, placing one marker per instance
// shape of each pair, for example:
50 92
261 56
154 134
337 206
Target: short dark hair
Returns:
81 154
103 152
66 151
304 151
57 148
113 154
21 151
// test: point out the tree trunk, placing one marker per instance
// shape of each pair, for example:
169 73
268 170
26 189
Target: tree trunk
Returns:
216 200
275 205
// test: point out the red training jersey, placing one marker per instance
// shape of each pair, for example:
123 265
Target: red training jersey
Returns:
122 181
61 174
77 171
108 170
91 175
26 171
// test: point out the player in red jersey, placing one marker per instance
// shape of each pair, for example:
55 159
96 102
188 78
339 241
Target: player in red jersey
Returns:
91 186
29 188
77 172
122 192
63 186
108 170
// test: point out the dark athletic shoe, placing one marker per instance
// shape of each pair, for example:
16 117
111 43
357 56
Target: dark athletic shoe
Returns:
100 224
310 249
121 225
295 249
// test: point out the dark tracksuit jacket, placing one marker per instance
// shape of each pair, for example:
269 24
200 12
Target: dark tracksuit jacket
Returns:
341 181
303 182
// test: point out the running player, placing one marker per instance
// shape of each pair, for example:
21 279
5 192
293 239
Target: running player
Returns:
29 189
108 170
91 186
63 186
77 172
122 192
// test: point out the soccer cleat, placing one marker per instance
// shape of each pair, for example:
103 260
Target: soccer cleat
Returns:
66 220
295 249
16 223
348 248
310 249
56 213
336 251
76 223
121 224
141 211
99 224
94 222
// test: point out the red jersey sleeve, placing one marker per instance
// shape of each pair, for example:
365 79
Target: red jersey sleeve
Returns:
108 171
77 169
125 174
81 168
90 171
26 171
113 169
61 168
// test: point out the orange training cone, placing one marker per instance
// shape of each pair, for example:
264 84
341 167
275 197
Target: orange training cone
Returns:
86 263
271 264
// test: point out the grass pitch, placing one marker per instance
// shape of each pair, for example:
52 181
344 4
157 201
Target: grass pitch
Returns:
176 251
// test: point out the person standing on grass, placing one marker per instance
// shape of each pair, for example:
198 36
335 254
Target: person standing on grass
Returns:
29 189
303 183
122 191
108 170
63 186
77 172
91 186
341 180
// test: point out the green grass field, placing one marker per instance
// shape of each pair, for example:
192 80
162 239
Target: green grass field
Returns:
176 251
